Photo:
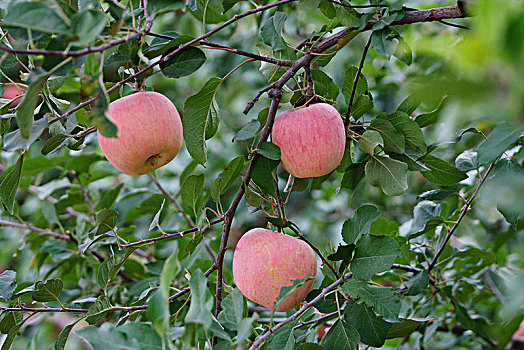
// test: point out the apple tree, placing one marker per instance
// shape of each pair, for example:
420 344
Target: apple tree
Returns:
414 225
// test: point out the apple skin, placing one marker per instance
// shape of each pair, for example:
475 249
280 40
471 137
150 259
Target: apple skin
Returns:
11 91
520 331
149 133
265 260
312 139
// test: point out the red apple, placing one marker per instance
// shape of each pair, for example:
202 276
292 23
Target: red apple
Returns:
312 139
265 261
149 133
12 92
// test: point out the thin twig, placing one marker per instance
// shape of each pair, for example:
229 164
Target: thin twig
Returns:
169 235
260 340
355 82
462 215
35 229
173 53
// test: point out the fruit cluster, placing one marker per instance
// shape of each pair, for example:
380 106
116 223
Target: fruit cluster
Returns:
312 142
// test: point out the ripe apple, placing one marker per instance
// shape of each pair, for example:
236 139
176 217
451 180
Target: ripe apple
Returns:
11 92
265 260
312 139
149 133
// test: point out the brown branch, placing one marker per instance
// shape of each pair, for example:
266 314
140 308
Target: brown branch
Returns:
173 53
461 217
303 309
86 193
81 52
35 229
169 235
355 82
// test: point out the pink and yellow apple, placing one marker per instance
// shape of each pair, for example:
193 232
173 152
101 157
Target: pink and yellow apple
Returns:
265 261
312 139
11 92
149 133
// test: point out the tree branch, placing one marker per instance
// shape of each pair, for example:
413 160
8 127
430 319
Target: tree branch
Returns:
303 309
169 235
355 82
462 215
173 53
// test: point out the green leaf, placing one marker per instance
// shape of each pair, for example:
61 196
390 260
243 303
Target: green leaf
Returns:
169 271
382 299
103 273
184 63
87 25
200 113
64 334
248 132
232 310
348 17
48 291
369 140
210 11
284 338
226 177
26 108
418 283
106 220
191 193
158 311
269 150
344 253
30 15
441 172
287 290
389 174
201 301
403 329
9 320
353 176
110 337
262 174
10 184
349 78
426 119
271 31
360 223
409 105
98 310
503 136
466 161
109 197
324 85
278 222
411 130
8 341
372 328
394 140
228 4
7 284
53 143
374 254
158 7
342 335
